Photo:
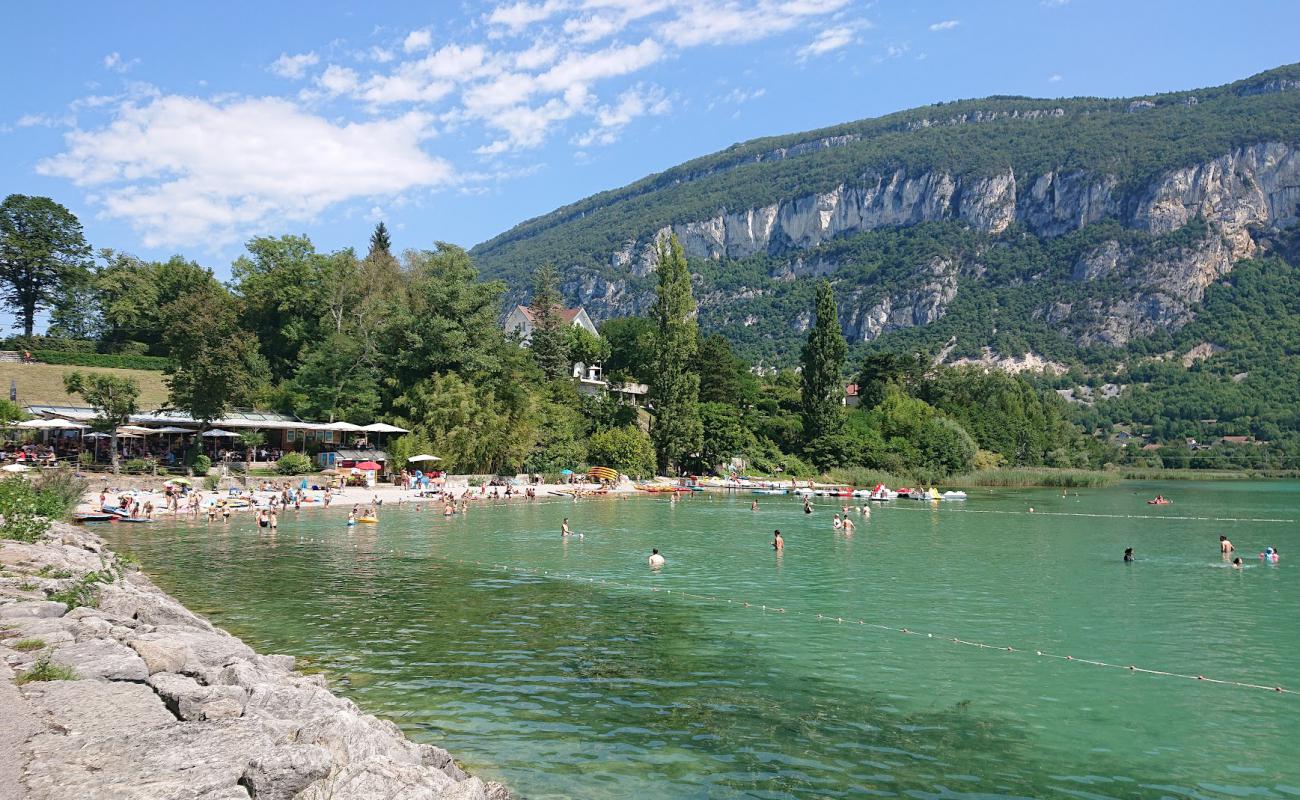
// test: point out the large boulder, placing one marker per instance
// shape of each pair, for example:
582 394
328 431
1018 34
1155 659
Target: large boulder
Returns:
147 605
89 709
379 778
205 649
32 608
102 658
190 700
161 656
351 737
288 770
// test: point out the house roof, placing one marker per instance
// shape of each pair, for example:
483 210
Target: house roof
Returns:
851 390
566 314
360 455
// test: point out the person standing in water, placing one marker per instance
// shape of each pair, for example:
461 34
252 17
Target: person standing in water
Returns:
807 506
1225 546
848 525
753 506
564 528
1128 554
778 544
656 560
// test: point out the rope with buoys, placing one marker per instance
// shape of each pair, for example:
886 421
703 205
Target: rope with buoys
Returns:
840 619
927 507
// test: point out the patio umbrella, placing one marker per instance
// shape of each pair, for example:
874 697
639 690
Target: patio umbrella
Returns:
218 432
346 427
566 472
424 457
330 471
173 429
135 429
185 481
383 427
368 466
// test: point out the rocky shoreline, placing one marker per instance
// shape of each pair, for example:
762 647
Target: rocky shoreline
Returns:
148 700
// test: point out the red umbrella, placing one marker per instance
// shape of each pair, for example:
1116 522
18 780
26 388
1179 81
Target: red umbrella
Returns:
367 466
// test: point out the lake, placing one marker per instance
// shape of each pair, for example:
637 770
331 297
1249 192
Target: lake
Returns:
567 668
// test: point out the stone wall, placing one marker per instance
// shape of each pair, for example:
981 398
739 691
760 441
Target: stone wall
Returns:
165 705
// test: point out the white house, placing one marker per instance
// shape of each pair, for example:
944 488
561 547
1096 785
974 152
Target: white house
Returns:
520 320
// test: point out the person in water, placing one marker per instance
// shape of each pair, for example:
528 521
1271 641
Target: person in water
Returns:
1269 554
753 506
848 525
1236 563
1128 554
807 506
564 528
837 524
656 560
1225 546
778 544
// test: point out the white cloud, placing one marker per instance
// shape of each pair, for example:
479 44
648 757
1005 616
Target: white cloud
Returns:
608 63
381 54
115 63
294 67
828 40
517 16
946 25
337 80
639 101
183 170
1054 78
417 40
892 51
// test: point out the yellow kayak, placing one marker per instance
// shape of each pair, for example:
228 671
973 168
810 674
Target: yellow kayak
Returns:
368 519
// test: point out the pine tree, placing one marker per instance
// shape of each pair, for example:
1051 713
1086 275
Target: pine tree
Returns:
379 241
678 432
549 341
823 362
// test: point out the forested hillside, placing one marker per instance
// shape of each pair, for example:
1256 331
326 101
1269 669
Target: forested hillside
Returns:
1142 241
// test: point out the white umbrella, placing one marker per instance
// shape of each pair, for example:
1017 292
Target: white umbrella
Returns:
424 457
35 424
383 427
218 432
346 427
135 429
173 429
95 435
15 468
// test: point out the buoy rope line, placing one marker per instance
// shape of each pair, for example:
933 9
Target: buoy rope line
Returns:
850 620
1086 514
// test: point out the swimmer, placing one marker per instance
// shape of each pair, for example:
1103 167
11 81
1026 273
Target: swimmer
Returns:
753 506
1269 554
837 524
1128 554
778 543
1236 563
352 518
848 525
656 560
807 506
1225 546
1031 509
564 528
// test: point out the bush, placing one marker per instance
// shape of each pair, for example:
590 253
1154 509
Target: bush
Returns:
135 466
84 591
627 450
115 361
200 465
86 458
59 491
25 518
211 482
293 464
28 645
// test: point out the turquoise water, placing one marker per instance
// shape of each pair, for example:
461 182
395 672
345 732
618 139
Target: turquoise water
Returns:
591 676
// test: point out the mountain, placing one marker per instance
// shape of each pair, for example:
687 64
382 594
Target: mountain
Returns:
1026 232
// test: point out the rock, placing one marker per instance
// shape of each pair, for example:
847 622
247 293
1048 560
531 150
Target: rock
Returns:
180 760
102 658
161 656
300 704
151 607
205 648
353 737
438 758
285 772
40 609
468 789
90 709
497 791
379 779
91 628
190 700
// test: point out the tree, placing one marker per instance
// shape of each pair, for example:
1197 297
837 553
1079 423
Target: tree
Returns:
631 348
675 391
113 399
548 341
215 363
42 251
725 435
823 364
379 241
719 371
585 346
625 449
282 283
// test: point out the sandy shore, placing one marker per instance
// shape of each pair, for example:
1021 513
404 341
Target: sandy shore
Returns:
150 491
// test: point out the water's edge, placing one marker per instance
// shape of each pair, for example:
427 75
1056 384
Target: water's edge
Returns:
159 697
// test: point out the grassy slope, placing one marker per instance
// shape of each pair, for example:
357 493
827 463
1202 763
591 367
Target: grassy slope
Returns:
43 383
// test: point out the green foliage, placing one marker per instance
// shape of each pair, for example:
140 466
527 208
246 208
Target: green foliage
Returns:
27 645
113 361
49 571
26 514
11 412
45 670
626 449
42 254
293 464
725 436
114 400
720 372
677 431
215 364
137 466
475 427
560 430
199 464
59 490
1043 476
585 347
84 591
380 243
823 367
631 345
548 342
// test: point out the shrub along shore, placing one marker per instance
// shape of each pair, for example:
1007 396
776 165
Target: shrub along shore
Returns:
112 688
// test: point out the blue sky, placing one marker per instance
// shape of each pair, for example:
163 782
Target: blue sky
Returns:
175 127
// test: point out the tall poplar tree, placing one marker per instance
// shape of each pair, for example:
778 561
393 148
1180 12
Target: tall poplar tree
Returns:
823 364
677 433
379 241
549 342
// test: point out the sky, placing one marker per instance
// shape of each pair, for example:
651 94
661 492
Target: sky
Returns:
189 128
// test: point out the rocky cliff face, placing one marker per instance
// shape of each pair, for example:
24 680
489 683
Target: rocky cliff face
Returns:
1237 194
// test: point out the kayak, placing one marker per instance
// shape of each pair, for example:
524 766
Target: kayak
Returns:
770 491
116 511
132 519
369 520
954 495
93 517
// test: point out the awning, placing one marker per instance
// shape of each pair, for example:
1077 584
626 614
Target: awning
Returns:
51 424
383 427
424 457
218 432
346 427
